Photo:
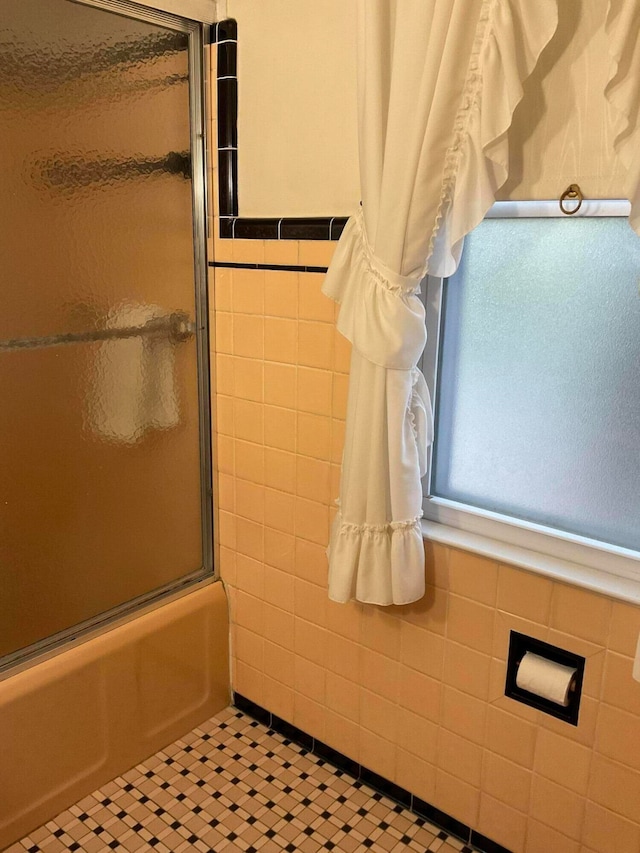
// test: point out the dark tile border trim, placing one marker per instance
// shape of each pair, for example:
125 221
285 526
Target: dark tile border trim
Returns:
400 795
285 267
225 34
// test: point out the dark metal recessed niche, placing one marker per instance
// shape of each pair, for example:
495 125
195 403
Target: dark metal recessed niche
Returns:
225 34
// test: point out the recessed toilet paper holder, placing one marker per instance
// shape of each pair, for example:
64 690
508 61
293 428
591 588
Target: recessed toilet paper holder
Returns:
519 646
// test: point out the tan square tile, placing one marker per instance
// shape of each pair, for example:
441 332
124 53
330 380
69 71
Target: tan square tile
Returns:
279 663
249 500
501 823
342 353
511 737
314 390
279 550
310 680
248 419
279 698
421 650
280 428
315 344
470 623
280 384
314 305
250 576
342 734
378 715
340 390
378 754
278 625
430 611
248 336
457 798
310 641
380 632
616 731
281 252
343 696
278 589
473 576
459 757
524 594
605 831
314 436
556 806
310 601
281 287
312 521
505 781
420 693
248 291
463 714
249 461
625 628
280 340
467 670
544 839
248 252
342 656
279 511
250 538
415 775
619 687
563 761
311 562
316 253
309 716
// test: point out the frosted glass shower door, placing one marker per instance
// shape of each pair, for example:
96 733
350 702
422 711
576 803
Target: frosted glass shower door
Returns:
103 439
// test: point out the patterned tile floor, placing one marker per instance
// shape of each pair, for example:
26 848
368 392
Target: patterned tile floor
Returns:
232 784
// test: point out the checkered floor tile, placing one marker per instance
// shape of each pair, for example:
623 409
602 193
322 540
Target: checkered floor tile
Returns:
232 784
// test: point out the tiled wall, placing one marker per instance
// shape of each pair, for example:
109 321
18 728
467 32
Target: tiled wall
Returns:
414 693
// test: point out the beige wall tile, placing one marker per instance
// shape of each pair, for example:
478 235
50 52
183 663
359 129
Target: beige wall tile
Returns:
415 775
281 292
223 332
280 469
501 823
279 663
250 576
457 798
605 831
314 391
343 696
310 642
224 415
420 693
559 808
279 698
248 421
619 687
248 251
310 680
345 619
249 538
563 761
224 374
437 558
378 754
378 715
459 757
279 511
343 656
248 647
464 714
380 632
615 787
430 611
248 336
418 736
544 839
310 601
280 340
511 737
379 673
249 500
279 589
312 521
625 628
281 252
618 736
248 379
311 563
315 344
581 612
280 384
585 731
524 594
314 305
314 436
248 291
473 576
222 288
421 650
340 391
280 428
316 253
249 682
342 734
506 782
470 623
249 461
594 655
505 623
467 670
341 353
278 626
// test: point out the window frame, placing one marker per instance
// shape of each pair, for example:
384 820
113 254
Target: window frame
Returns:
565 556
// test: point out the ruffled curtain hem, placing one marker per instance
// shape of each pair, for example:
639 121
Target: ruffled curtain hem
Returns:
376 564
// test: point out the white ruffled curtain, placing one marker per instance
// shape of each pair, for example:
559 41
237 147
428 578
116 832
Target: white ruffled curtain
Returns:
438 81
623 92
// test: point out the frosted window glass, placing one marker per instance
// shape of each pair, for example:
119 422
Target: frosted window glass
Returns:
539 391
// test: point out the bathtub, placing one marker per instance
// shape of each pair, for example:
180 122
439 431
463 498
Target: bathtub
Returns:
71 722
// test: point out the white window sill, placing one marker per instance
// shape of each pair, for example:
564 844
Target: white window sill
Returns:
614 586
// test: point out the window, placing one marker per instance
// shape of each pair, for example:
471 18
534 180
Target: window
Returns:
533 361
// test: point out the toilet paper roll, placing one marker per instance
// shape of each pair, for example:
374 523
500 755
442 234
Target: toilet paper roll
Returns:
545 678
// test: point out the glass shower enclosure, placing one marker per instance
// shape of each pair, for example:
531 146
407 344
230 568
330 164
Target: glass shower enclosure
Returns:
105 474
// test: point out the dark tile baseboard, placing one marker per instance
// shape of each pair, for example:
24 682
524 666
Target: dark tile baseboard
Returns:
399 795
232 225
